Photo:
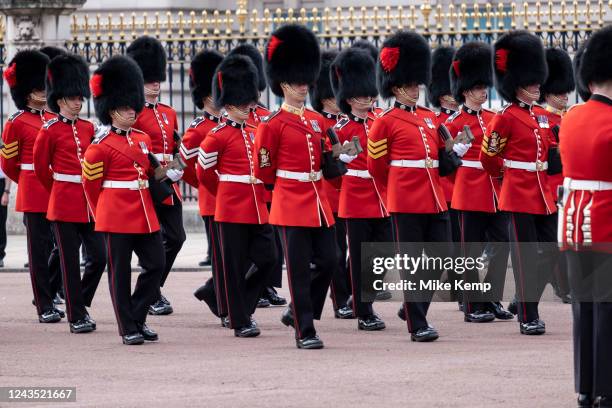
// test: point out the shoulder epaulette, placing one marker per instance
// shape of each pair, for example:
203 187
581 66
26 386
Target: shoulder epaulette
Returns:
489 110
101 132
14 115
49 123
574 105
197 121
219 127
341 123
453 116
385 112
138 131
270 116
503 108
164 105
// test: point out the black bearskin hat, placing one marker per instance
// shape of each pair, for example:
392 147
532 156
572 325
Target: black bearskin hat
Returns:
404 59
53 52
201 72
150 56
24 74
116 83
518 61
596 65
560 78
368 46
235 82
441 59
352 76
67 75
582 89
322 89
471 67
249 50
291 55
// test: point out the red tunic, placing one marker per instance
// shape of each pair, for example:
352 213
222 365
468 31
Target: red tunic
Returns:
475 189
19 135
447 182
159 122
360 197
228 150
120 157
58 153
554 119
331 187
289 142
255 118
517 134
190 145
405 133
587 215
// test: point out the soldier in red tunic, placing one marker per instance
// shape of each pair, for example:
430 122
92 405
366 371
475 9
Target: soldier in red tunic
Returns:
116 173
476 193
159 121
362 201
289 146
226 168
323 101
440 97
405 154
585 227
25 76
58 156
258 113
516 146
201 72
555 94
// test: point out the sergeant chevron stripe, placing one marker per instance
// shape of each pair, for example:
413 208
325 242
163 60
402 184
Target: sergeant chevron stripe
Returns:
188 153
10 150
377 148
207 160
93 171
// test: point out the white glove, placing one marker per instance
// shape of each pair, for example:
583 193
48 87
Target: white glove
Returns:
461 148
346 158
174 174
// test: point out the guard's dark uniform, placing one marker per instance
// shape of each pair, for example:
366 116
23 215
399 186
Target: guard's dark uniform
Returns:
585 227
116 173
159 121
25 73
516 146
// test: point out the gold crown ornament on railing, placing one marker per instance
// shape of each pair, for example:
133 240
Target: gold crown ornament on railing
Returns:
451 20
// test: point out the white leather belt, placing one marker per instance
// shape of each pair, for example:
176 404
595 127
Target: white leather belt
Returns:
299 176
27 166
529 166
69 178
358 173
588 185
472 163
130 185
421 164
164 157
239 178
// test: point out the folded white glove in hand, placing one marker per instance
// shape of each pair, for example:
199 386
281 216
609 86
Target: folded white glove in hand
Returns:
174 174
346 158
461 148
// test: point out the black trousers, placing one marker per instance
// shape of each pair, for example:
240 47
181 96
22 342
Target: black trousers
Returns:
414 231
589 278
340 288
455 226
241 246
360 230
207 220
532 263
477 228
275 279
308 288
171 222
215 285
3 216
79 291
131 308
38 232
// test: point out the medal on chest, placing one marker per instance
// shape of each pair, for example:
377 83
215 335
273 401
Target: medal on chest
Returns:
315 125
429 123
543 121
165 118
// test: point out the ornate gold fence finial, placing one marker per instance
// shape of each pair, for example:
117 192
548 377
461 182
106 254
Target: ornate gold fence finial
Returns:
241 14
426 10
